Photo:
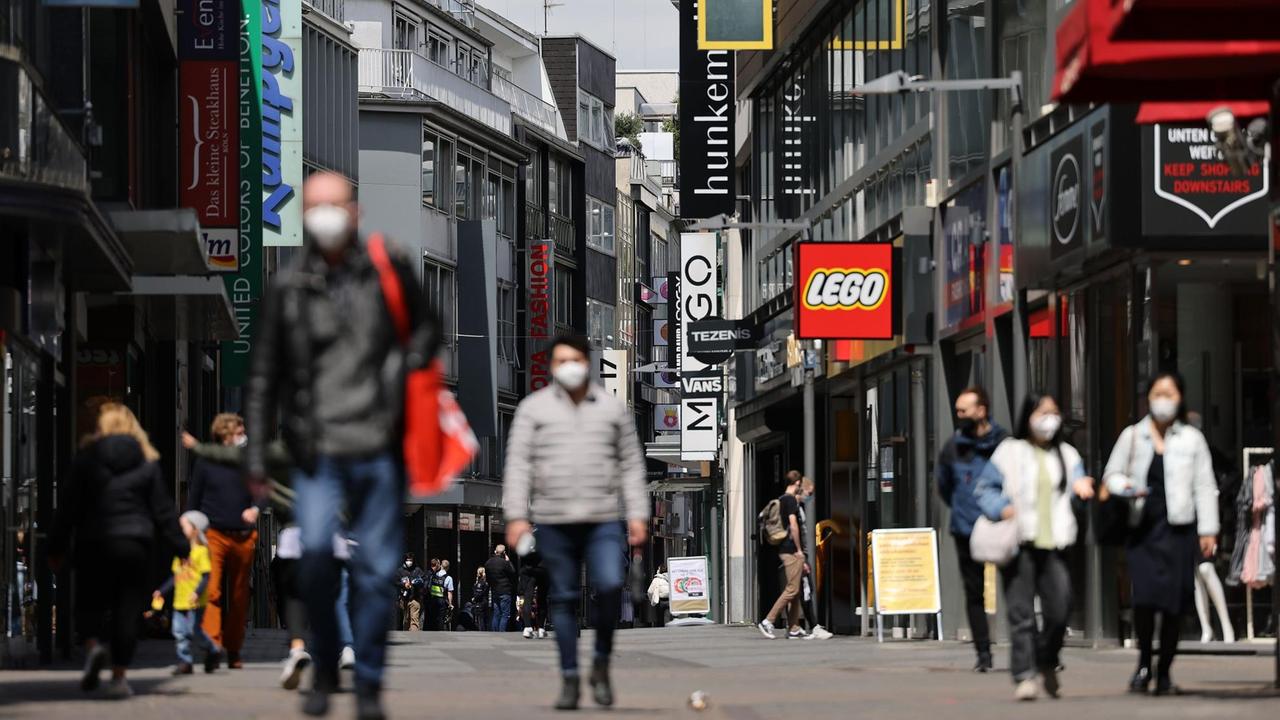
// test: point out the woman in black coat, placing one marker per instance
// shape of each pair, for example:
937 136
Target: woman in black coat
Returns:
112 507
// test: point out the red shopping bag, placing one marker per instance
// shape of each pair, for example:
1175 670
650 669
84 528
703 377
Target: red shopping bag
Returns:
438 441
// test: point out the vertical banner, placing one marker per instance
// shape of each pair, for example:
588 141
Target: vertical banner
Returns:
209 123
690 591
697 299
706 123
281 123
539 276
245 285
611 370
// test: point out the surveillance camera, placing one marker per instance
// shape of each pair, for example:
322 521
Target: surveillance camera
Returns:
1222 121
1230 140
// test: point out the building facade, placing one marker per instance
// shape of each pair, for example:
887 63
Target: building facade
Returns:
1046 250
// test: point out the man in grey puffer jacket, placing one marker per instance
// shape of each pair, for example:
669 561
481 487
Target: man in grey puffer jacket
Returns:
574 467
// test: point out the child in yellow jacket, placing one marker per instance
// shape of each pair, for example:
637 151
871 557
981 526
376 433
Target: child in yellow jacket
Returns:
190 586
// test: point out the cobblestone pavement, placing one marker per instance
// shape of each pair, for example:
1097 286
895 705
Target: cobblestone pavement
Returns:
483 675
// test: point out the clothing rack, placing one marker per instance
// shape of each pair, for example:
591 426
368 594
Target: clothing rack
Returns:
1247 454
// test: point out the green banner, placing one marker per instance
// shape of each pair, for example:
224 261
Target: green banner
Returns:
245 286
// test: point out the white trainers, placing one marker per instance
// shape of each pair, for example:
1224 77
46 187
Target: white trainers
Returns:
766 628
542 633
348 659
1027 690
94 663
528 633
118 689
294 666
820 633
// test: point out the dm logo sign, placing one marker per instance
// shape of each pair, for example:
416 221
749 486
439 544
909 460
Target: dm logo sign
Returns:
845 291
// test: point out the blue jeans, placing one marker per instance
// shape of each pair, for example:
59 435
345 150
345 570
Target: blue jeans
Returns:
501 613
564 549
345 636
372 490
187 630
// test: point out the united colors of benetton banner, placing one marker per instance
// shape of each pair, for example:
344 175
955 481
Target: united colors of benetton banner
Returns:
844 291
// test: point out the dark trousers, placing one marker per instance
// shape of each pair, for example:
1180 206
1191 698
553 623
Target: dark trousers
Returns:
565 548
534 611
972 573
112 591
1144 623
501 612
1035 573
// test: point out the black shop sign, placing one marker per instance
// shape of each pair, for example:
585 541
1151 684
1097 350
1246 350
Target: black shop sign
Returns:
1188 189
1067 199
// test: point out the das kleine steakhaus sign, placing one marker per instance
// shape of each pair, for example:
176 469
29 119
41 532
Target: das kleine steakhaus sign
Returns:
706 123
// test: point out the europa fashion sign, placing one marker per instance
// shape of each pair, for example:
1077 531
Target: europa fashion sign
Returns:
706 123
281 122
1189 189
540 272
845 291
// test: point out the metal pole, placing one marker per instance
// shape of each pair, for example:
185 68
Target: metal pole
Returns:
810 465
1273 217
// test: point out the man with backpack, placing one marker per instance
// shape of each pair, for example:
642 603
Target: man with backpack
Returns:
783 513
959 464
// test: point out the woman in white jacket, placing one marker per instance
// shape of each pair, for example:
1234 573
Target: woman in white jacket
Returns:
1164 464
1038 480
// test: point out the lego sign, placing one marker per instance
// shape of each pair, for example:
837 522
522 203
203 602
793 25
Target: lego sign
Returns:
845 291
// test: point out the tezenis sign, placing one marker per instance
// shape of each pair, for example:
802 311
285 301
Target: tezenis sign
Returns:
845 291
706 123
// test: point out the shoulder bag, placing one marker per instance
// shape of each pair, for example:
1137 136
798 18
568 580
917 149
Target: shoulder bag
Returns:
1115 517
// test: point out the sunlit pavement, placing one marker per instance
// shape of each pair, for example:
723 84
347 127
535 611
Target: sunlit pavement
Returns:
482 675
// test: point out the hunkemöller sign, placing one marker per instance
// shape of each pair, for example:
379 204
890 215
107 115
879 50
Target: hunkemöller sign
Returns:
706 123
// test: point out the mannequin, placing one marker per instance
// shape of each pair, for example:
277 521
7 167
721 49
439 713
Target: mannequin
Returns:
1207 583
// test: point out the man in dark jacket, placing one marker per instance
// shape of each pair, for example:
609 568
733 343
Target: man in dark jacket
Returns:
959 465
328 358
411 582
502 585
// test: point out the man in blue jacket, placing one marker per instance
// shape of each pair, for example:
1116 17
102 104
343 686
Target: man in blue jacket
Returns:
959 465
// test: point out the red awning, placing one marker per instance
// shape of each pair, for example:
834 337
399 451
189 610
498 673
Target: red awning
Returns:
1198 19
1091 67
1150 113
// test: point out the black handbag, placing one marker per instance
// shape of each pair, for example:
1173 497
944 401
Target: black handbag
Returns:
1112 519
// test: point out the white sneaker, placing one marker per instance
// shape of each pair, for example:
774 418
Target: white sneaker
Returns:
94 663
1027 690
118 689
528 633
542 633
821 633
348 659
294 665
766 628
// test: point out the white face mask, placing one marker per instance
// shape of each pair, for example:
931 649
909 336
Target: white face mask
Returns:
571 375
1046 427
328 225
408 563
242 440
1164 409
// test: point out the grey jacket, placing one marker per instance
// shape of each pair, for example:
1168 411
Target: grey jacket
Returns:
1190 487
570 463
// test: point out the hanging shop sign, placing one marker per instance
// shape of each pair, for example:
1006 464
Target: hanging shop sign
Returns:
208 29
221 244
1067 211
706 123
795 139
1098 181
1189 189
611 371
845 291
964 228
282 123
714 340
244 286
666 418
208 123
697 293
690 589
735 24
540 271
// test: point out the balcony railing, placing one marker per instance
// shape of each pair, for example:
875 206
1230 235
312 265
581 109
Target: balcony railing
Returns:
525 104
335 9
34 144
662 169
405 74
535 221
463 11
562 233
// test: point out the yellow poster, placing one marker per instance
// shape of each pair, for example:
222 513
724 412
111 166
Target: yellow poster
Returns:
906 571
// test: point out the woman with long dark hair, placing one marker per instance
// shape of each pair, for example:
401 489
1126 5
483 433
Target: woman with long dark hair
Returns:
113 506
1036 478
1164 466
